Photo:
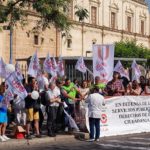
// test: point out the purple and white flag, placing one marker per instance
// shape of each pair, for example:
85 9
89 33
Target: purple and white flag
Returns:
72 123
2 68
40 79
34 66
55 67
103 62
136 71
60 67
48 66
8 95
120 69
16 86
80 65
18 71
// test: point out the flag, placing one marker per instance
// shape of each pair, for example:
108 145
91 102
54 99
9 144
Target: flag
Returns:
80 65
18 71
72 123
34 66
119 68
54 67
8 95
60 67
136 71
2 68
16 86
49 65
103 62
40 79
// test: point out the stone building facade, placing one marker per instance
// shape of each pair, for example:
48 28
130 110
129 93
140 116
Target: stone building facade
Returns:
26 41
109 21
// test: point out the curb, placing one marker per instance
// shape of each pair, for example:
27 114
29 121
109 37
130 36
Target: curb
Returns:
36 140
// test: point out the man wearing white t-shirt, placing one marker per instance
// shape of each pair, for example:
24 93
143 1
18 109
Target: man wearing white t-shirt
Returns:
53 96
95 103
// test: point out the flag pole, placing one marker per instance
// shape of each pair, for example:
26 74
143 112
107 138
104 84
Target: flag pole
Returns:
90 71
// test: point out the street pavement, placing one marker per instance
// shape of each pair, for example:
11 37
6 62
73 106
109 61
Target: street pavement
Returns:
68 142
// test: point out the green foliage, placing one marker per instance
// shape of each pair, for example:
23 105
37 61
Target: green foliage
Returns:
50 12
82 13
130 49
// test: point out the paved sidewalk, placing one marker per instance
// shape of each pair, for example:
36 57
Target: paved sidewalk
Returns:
68 142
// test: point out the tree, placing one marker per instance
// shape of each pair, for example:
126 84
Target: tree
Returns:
130 49
82 13
50 12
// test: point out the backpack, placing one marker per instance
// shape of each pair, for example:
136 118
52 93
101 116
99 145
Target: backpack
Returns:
44 100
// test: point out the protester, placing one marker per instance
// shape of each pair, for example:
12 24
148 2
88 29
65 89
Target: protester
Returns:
134 88
84 90
115 86
32 108
69 92
89 83
61 116
19 111
142 83
43 87
53 96
99 84
95 102
3 113
66 102
147 88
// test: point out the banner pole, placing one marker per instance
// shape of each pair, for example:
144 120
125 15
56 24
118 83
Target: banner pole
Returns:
90 71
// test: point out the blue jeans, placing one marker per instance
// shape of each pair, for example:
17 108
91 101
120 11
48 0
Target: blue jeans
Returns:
94 123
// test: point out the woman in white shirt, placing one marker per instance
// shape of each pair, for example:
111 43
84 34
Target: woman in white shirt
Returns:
95 103
84 90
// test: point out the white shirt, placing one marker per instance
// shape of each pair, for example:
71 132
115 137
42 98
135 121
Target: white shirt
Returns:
53 94
95 103
42 82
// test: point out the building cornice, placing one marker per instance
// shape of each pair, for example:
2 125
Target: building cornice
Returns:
104 28
140 2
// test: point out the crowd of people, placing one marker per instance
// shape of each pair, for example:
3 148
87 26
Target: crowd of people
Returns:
55 97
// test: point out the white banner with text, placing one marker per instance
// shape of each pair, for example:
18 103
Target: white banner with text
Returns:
125 115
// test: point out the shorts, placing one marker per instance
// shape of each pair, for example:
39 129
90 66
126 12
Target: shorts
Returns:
3 117
20 117
31 115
